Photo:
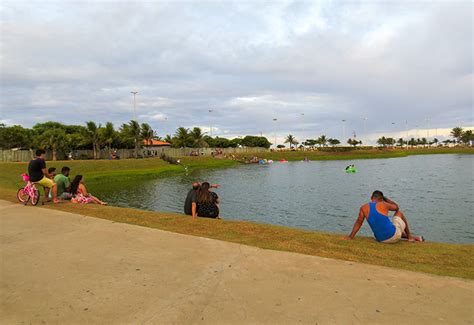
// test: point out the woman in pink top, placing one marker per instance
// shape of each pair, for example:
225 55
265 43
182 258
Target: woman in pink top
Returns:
80 194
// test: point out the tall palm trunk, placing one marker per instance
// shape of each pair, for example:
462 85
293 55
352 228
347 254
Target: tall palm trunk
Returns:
136 148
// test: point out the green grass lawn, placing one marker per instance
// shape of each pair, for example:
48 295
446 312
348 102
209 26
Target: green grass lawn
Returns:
360 154
436 258
111 170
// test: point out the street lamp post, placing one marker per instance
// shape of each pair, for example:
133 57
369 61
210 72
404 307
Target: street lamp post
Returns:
134 104
365 131
210 111
302 128
274 133
406 127
343 131
428 132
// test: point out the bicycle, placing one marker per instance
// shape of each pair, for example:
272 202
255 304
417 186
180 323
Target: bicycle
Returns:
28 192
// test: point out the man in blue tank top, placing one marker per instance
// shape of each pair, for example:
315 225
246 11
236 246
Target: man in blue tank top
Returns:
386 229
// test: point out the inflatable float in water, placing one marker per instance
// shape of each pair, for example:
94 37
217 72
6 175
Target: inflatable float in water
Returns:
265 162
351 170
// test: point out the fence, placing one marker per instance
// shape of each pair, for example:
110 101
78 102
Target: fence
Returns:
15 155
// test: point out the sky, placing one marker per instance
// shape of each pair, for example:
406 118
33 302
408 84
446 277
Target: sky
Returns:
392 68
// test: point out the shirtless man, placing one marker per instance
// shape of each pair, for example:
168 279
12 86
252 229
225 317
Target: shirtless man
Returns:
385 229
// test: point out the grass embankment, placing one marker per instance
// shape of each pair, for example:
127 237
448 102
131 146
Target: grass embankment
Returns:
361 154
435 258
95 171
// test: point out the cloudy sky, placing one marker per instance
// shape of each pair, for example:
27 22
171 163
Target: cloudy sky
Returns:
309 64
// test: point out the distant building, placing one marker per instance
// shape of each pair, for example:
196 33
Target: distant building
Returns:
155 144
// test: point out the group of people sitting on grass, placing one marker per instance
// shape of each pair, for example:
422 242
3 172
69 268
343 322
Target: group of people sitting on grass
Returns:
58 187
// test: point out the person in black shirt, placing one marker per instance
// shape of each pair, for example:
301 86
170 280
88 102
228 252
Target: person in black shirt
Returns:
192 198
39 174
207 205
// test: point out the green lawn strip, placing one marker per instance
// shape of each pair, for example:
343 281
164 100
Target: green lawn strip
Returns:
436 258
358 154
95 171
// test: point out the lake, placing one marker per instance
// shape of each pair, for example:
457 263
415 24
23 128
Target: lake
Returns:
434 191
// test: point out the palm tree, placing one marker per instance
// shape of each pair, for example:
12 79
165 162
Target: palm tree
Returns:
334 142
382 141
400 142
182 138
456 133
424 142
107 135
391 141
323 141
136 134
198 138
92 136
353 142
291 140
168 138
467 137
54 139
147 133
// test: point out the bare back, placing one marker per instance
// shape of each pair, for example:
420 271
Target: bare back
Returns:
382 208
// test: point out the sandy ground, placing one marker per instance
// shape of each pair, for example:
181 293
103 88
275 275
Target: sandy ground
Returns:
63 268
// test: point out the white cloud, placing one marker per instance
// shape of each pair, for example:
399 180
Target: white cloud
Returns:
157 117
249 61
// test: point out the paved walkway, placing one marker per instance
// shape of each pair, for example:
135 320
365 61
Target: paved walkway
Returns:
59 267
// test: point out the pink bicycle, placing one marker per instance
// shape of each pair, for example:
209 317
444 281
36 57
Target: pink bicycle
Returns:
29 192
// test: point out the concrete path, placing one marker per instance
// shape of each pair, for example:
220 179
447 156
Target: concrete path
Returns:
63 268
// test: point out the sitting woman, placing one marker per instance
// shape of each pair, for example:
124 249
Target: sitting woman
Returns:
80 194
207 203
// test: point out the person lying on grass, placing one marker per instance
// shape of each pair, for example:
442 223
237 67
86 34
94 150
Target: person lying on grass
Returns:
80 194
386 229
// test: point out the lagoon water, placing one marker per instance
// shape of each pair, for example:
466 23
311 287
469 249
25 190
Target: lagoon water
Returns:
434 191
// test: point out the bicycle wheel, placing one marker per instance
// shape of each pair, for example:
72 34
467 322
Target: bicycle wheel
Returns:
36 197
22 196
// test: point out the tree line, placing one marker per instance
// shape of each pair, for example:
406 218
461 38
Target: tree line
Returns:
322 141
459 135
59 137
196 138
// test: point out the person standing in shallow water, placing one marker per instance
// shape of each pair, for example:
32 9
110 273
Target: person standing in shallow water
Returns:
207 205
386 230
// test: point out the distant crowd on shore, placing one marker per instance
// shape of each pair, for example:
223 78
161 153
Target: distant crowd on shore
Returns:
58 187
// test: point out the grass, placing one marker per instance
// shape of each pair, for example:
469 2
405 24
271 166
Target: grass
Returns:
96 171
362 154
435 258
